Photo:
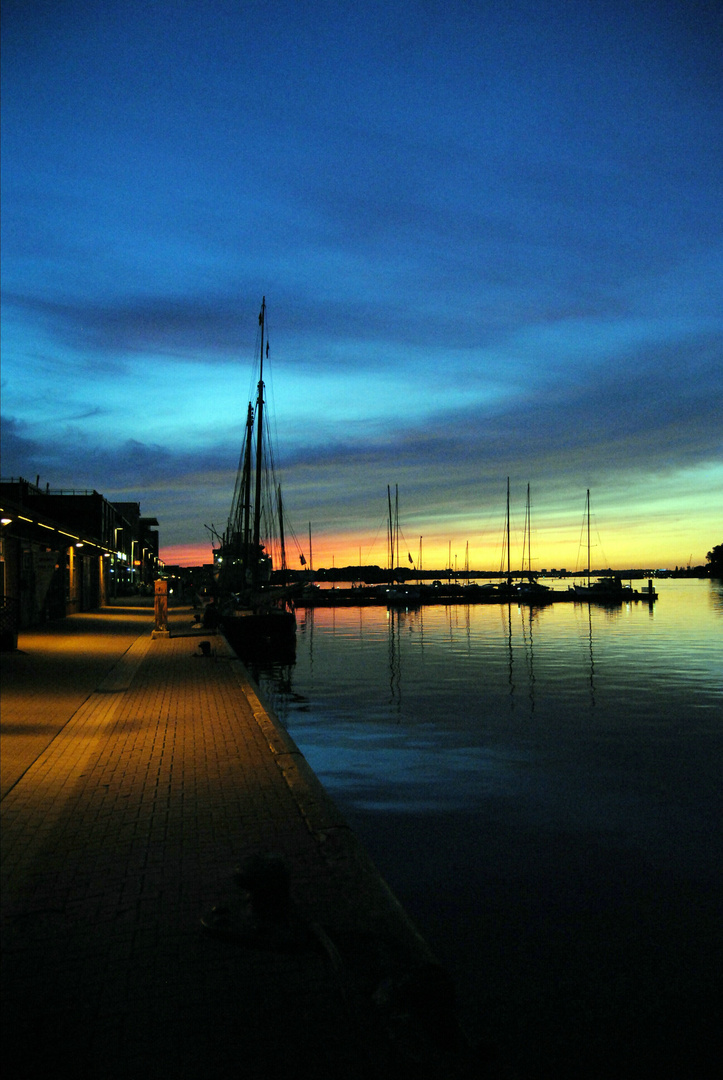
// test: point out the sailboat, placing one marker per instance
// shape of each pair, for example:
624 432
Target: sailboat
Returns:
257 617
606 590
508 587
397 592
530 589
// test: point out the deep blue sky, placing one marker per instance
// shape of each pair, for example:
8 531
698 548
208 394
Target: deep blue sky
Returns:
490 238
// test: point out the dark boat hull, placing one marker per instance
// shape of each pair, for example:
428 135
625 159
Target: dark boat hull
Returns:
265 634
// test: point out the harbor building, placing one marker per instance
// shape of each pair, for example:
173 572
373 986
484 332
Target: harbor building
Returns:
63 551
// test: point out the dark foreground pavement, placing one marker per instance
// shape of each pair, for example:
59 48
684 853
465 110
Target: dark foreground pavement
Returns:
139 774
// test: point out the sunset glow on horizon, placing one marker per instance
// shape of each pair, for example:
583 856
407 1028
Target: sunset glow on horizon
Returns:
478 542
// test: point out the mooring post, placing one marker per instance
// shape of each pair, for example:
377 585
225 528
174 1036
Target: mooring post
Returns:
161 610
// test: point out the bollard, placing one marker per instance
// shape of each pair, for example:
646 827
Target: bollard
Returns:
161 610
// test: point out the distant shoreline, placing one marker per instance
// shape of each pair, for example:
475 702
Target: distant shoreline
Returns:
375 575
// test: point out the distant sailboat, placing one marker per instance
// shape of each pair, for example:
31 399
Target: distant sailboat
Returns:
530 589
397 593
509 586
606 589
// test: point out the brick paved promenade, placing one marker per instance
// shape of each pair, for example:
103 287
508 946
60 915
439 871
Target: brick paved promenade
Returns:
137 774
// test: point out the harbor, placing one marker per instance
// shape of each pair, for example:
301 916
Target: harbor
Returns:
142 778
361 550
255 595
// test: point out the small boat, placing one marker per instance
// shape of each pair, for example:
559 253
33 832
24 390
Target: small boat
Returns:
606 590
402 595
476 589
647 592
256 614
534 590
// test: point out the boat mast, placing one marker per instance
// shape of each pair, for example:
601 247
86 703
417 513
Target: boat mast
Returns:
588 538
246 487
390 534
259 441
393 529
396 521
282 541
509 572
527 540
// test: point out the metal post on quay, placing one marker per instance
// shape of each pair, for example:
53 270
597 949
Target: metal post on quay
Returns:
161 610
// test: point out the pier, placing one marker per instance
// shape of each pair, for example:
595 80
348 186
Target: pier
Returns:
412 595
144 782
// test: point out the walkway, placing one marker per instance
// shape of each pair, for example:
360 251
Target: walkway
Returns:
139 774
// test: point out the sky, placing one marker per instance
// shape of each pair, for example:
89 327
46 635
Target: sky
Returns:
490 238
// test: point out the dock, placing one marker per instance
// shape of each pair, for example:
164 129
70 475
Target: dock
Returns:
454 594
180 896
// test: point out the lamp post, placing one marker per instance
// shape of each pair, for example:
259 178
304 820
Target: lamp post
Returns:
116 554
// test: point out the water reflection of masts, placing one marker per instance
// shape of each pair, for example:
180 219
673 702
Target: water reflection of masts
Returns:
529 658
419 627
459 615
528 615
511 656
308 629
395 658
592 657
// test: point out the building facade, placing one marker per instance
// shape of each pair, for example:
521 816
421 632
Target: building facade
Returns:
67 551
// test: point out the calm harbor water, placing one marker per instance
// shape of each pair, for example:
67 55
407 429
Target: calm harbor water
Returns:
542 790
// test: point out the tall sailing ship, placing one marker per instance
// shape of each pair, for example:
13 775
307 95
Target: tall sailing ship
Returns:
256 610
